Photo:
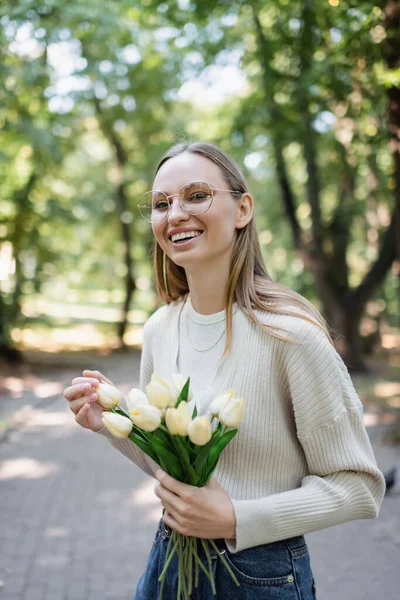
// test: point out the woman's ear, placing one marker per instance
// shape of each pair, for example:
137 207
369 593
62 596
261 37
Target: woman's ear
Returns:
245 209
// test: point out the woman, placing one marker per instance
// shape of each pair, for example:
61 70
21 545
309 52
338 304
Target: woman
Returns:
302 460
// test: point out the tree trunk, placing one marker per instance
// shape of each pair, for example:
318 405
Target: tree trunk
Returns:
129 280
7 350
123 209
343 306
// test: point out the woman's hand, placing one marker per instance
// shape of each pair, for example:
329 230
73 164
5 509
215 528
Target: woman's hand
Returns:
82 397
205 512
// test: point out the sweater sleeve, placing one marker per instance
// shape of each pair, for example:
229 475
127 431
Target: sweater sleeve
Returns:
130 450
343 482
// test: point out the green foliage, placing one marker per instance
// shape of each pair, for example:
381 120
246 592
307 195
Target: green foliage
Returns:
93 93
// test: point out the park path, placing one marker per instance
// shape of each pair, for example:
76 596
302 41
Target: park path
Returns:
77 518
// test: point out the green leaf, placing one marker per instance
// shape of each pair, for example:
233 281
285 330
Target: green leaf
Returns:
184 393
143 445
215 453
202 456
165 438
194 414
191 476
171 462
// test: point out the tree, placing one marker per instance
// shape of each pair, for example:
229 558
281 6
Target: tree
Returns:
313 81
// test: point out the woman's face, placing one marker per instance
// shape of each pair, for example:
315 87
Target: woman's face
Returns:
217 225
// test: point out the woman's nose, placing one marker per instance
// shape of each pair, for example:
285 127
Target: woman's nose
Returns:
176 212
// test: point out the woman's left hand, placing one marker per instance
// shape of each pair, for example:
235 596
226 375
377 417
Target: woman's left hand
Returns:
205 512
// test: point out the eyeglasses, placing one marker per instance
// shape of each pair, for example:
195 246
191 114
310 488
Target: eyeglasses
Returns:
195 198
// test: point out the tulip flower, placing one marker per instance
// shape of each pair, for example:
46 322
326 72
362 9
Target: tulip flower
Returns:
136 398
158 392
109 396
199 431
119 425
220 401
175 385
178 419
147 418
232 412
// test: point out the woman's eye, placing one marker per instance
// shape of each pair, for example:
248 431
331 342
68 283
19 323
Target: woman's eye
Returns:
198 196
161 205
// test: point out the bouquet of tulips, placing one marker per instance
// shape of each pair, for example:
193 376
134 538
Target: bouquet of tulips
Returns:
184 445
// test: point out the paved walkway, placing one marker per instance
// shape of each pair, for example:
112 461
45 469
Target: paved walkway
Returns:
77 518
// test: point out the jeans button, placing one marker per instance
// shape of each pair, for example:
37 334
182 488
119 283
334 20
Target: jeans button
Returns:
290 579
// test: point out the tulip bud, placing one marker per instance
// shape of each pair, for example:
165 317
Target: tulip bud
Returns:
136 398
220 401
199 431
158 392
175 385
147 418
119 425
232 412
178 419
109 396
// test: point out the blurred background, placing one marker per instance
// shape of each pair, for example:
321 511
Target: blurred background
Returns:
306 97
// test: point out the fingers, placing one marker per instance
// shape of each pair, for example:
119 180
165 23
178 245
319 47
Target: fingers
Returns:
81 416
77 391
184 490
169 520
76 405
78 380
170 501
97 375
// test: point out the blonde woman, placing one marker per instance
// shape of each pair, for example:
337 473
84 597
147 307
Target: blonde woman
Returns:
302 460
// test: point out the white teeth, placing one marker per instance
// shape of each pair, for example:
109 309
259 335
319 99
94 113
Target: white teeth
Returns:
185 234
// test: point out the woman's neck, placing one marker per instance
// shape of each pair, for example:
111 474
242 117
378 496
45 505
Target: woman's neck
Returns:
208 291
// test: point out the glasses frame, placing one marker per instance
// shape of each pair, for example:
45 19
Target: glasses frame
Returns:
180 198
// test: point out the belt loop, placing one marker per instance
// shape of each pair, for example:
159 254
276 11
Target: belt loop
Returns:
165 529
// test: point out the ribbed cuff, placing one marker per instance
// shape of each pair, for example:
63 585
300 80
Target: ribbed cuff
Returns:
254 523
106 433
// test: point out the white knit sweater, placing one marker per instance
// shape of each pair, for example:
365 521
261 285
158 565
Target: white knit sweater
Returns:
302 459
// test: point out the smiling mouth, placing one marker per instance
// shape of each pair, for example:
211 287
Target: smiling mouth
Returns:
185 239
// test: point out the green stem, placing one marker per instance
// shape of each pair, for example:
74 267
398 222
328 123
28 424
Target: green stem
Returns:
167 562
190 564
181 573
178 597
209 561
223 559
198 562
196 566
161 589
169 549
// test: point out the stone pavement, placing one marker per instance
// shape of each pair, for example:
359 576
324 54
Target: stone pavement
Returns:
77 518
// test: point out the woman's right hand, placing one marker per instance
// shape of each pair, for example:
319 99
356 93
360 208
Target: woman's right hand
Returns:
82 396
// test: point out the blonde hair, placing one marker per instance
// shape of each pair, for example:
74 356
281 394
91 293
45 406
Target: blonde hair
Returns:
250 284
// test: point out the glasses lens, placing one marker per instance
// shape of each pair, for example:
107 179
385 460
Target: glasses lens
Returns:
197 197
153 206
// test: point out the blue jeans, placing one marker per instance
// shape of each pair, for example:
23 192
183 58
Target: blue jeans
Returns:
277 571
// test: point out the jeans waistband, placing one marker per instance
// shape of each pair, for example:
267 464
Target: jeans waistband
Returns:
293 543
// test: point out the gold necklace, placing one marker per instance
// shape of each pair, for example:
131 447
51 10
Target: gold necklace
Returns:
191 343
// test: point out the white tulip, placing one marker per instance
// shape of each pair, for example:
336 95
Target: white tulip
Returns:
119 425
136 398
178 419
175 385
220 401
199 431
109 396
147 418
158 392
231 414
